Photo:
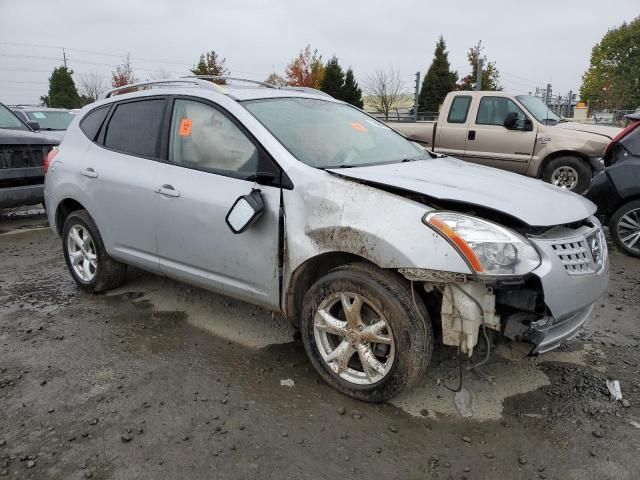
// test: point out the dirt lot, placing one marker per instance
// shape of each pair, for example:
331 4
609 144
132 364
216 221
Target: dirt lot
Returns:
160 380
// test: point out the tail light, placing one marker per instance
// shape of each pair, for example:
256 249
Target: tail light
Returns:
630 128
49 158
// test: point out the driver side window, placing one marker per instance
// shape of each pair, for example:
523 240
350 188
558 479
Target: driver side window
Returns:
204 138
494 110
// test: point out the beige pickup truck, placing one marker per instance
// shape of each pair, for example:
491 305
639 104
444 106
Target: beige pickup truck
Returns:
517 133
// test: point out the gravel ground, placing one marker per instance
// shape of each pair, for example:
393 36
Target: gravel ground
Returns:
161 380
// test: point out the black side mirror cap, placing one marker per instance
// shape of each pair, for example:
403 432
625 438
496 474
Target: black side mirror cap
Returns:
33 125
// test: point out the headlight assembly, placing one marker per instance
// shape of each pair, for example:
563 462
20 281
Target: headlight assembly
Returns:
490 249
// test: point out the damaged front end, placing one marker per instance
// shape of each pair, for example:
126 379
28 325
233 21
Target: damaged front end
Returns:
543 308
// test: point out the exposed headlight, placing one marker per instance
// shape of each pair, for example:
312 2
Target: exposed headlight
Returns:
488 248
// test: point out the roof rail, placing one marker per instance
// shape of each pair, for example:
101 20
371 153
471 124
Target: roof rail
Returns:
308 90
233 79
164 82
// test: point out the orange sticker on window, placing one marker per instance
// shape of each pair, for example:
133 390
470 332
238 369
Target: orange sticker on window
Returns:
358 127
185 127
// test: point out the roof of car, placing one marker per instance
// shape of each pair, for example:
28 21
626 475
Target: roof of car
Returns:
235 89
30 108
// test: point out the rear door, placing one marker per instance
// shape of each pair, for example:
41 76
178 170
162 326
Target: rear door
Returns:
451 133
490 143
119 172
211 159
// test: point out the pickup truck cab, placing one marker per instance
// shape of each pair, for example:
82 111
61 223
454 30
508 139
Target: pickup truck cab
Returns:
517 133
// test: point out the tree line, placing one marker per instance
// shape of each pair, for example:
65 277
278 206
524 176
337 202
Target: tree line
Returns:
612 79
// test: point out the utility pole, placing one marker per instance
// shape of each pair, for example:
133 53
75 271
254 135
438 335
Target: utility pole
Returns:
64 58
479 74
547 96
570 105
415 100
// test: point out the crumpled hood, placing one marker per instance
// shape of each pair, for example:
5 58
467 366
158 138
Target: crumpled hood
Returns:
608 132
530 200
22 137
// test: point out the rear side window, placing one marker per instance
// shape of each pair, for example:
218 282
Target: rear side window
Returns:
459 109
134 127
92 122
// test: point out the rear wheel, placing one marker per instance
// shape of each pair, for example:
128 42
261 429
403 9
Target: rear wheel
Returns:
570 173
364 334
625 228
90 265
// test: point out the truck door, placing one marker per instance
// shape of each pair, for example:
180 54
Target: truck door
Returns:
451 133
491 143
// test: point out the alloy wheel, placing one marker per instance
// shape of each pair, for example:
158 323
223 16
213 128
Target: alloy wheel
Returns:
354 338
82 253
628 230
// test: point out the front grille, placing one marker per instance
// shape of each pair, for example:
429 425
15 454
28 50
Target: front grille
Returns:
575 257
21 156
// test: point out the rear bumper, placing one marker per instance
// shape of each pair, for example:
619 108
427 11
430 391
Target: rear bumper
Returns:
23 195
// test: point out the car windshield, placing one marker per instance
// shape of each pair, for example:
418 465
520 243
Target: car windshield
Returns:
538 109
9 120
325 134
52 120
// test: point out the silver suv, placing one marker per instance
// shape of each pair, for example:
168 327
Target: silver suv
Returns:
289 199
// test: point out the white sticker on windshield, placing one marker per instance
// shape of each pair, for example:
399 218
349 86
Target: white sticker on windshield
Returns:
39 115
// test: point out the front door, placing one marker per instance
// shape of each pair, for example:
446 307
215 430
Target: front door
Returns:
212 161
490 143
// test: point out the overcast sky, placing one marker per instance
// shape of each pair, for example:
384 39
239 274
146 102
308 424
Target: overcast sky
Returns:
532 43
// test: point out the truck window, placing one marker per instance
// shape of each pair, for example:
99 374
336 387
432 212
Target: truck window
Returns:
493 111
459 109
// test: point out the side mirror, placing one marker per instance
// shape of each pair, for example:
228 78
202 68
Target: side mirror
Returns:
33 125
511 121
528 125
245 211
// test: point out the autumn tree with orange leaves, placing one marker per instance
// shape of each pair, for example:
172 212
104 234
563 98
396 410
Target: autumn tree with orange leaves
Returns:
306 70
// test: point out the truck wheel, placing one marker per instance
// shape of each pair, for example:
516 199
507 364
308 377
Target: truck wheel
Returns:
625 228
90 265
363 333
570 173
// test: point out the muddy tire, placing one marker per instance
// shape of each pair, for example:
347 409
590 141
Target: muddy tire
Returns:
88 262
625 228
363 333
571 173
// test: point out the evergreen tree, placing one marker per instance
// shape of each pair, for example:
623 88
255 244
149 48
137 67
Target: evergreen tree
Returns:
333 80
351 92
62 90
210 63
438 81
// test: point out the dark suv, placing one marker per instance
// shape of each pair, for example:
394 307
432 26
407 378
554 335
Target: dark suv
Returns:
22 156
616 190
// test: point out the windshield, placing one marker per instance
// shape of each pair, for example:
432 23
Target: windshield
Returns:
9 120
52 120
538 109
325 134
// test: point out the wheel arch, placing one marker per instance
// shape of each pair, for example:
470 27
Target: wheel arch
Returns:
562 153
64 209
306 274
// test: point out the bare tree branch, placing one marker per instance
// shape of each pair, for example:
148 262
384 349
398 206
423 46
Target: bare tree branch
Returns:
92 85
385 89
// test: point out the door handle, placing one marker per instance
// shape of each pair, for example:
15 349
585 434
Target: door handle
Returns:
89 172
472 135
167 190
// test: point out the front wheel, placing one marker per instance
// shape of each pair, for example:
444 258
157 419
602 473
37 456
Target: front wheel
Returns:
90 265
570 173
364 334
625 228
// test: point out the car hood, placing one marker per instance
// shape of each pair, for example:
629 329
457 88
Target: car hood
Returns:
448 179
22 137
608 132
